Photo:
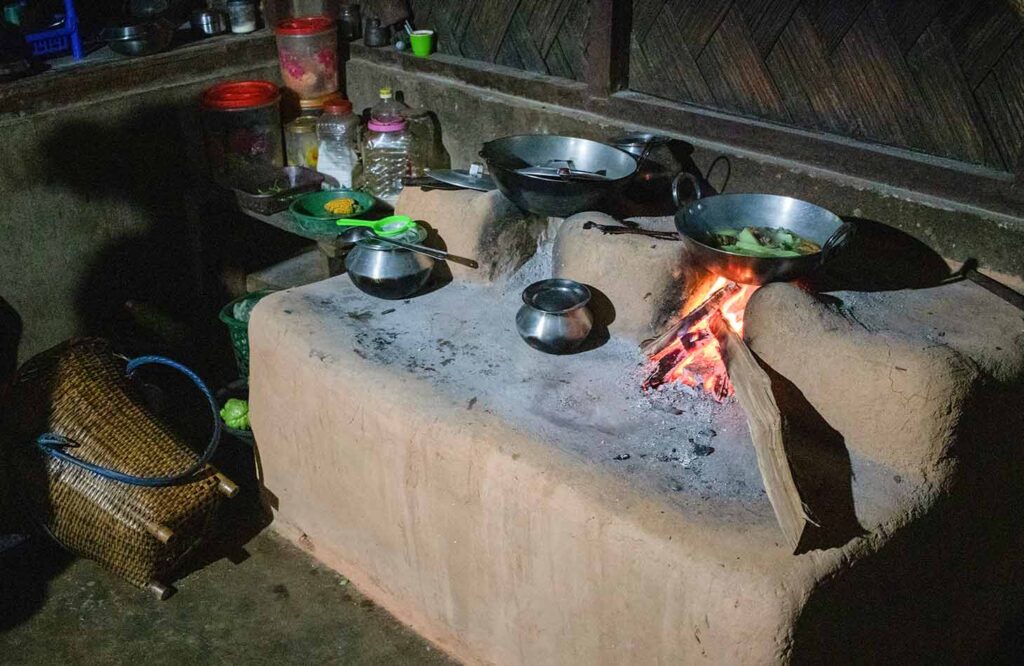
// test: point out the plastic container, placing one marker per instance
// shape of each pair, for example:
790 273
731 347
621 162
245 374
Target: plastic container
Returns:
386 152
307 49
242 127
426 151
337 131
58 41
300 142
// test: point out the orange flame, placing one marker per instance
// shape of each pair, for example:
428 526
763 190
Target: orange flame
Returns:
699 357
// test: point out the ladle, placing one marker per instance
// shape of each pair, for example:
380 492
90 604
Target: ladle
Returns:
356 234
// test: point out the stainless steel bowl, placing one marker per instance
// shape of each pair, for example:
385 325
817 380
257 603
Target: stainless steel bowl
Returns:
701 218
387 271
139 38
209 22
560 197
554 317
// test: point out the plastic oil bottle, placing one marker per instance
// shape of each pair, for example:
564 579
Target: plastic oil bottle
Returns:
386 152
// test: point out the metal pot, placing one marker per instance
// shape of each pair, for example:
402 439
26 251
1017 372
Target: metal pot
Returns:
657 165
387 271
584 174
554 317
702 217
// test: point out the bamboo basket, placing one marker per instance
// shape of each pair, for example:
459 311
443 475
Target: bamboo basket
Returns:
81 393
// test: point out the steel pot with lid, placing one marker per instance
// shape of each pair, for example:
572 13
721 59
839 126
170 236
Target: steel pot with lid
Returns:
381 269
659 160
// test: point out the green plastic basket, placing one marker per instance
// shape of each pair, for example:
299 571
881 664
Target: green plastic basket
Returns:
239 330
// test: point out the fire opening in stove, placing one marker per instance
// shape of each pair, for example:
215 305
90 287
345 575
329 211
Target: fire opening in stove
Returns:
689 352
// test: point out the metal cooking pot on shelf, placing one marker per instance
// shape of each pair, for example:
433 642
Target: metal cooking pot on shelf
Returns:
697 220
547 174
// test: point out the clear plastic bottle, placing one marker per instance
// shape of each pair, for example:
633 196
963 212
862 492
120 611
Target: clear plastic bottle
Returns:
386 151
337 131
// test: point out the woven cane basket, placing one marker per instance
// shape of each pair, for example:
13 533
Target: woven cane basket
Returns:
80 393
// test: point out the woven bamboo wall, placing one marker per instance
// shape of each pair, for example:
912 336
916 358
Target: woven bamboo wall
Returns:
544 36
941 76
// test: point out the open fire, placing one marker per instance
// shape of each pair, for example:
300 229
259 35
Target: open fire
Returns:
689 351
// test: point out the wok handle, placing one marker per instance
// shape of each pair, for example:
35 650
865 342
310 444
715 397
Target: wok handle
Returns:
698 193
837 241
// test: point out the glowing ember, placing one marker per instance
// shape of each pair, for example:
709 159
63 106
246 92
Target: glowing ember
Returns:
694 357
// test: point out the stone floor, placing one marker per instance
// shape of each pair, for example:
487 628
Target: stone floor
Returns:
250 598
276 607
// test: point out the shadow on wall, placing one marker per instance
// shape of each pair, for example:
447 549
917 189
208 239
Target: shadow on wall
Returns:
133 175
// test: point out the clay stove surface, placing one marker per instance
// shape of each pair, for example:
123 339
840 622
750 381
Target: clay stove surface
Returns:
461 339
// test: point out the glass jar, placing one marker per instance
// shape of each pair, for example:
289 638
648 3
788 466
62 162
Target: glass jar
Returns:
350 26
242 16
242 127
300 142
307 48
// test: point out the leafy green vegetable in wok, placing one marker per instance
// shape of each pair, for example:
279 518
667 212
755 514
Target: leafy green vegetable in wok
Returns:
766 242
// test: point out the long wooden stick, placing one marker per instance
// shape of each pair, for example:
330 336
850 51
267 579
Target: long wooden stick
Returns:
655 345
753 389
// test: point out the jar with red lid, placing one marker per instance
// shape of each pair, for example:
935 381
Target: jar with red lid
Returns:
242 127
307 48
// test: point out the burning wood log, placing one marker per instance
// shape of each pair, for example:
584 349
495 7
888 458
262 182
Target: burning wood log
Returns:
685 322
753 389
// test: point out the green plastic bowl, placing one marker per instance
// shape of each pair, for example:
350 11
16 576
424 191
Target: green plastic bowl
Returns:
308 210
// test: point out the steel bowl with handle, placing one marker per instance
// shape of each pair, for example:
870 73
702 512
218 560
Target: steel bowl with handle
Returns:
547 174
697 220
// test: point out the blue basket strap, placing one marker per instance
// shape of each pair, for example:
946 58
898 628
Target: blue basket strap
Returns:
54 444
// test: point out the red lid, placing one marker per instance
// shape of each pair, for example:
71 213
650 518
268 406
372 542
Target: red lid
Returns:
239 95
304 25
337 105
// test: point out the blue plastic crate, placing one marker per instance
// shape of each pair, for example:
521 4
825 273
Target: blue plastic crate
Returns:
59 40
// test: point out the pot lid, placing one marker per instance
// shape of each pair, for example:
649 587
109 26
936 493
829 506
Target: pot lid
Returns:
639 139
318 103
304 25
464 178
234 95
126 29
337 105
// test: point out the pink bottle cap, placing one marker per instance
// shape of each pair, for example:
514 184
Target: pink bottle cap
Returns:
386 127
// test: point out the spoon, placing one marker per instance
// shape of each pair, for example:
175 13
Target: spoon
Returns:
356 234
388 226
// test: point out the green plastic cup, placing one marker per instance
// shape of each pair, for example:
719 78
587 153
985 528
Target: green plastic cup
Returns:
422 42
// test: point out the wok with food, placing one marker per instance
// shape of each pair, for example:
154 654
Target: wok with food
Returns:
762 242
759 238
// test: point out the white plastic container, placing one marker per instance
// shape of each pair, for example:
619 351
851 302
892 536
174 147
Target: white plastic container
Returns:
337 131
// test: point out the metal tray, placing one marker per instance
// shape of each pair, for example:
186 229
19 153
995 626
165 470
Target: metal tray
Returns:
253 191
